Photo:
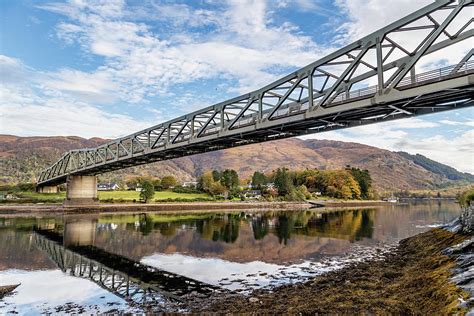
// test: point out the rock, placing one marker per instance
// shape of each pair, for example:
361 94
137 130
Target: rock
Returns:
467 219
6 289
253 300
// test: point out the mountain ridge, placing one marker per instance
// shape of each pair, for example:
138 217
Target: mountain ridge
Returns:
23 157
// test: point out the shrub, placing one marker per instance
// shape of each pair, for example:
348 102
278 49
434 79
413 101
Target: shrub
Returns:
188 190
466 198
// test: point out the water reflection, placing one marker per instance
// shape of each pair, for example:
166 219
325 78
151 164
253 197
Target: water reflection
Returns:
349 225
127 279
261 248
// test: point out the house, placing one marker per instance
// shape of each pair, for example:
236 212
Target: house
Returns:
252 194
270 185
111 186
190 184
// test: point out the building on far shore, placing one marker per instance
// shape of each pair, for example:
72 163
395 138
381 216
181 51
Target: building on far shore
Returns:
252 194
111 186
190 184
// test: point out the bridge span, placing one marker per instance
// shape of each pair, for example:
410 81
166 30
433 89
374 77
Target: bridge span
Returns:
378 78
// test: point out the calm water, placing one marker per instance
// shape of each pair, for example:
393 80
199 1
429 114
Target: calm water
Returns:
99 263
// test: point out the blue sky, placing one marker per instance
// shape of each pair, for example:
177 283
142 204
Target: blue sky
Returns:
108 68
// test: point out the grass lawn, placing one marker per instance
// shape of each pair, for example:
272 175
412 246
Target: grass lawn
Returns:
161 195
49 197
116 195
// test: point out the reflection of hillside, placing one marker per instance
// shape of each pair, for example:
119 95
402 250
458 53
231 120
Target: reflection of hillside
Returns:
349 225
392 222
244 249
271 236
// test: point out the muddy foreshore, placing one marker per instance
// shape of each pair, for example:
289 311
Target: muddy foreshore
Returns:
416 278
10 209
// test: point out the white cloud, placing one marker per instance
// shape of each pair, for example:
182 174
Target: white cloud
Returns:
244 45
94 87
26 110
367 16
458 123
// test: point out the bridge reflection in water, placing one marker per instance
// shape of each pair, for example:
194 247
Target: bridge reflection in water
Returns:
138 284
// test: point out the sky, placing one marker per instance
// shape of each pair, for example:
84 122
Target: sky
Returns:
110 68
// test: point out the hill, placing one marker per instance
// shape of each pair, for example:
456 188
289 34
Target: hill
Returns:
438 168
21 159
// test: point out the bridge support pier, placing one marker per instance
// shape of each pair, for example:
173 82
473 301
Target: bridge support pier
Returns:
48 189
79 230
81 190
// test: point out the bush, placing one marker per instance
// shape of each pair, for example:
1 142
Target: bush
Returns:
295 195
466 198
188 190
26 186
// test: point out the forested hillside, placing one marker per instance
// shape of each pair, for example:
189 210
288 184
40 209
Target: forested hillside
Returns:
21 159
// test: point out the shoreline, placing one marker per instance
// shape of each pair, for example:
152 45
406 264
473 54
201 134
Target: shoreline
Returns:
12 209
415 278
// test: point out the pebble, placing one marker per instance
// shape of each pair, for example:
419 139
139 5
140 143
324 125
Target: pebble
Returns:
253 300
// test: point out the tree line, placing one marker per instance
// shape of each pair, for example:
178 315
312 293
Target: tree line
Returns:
348 183
291 185
281 184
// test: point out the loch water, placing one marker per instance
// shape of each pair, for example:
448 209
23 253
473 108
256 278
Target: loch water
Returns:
128 262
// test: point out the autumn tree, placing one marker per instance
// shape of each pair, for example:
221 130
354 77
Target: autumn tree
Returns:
365 181
205 181
168 182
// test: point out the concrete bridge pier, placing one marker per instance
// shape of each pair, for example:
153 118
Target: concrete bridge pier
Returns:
81 190
48 189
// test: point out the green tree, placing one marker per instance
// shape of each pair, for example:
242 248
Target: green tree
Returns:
230 179
364 180
216 175
304 191
168 182
147 192
259 180
283 181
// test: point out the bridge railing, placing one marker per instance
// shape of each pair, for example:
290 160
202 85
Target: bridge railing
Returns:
422 78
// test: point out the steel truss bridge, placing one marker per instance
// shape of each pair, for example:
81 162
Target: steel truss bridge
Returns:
140 285
377 78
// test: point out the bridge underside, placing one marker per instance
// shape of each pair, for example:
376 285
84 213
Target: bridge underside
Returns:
345 116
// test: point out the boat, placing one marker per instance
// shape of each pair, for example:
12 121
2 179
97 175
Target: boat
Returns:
391 199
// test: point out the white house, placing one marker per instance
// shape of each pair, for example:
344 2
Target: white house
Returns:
111 186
